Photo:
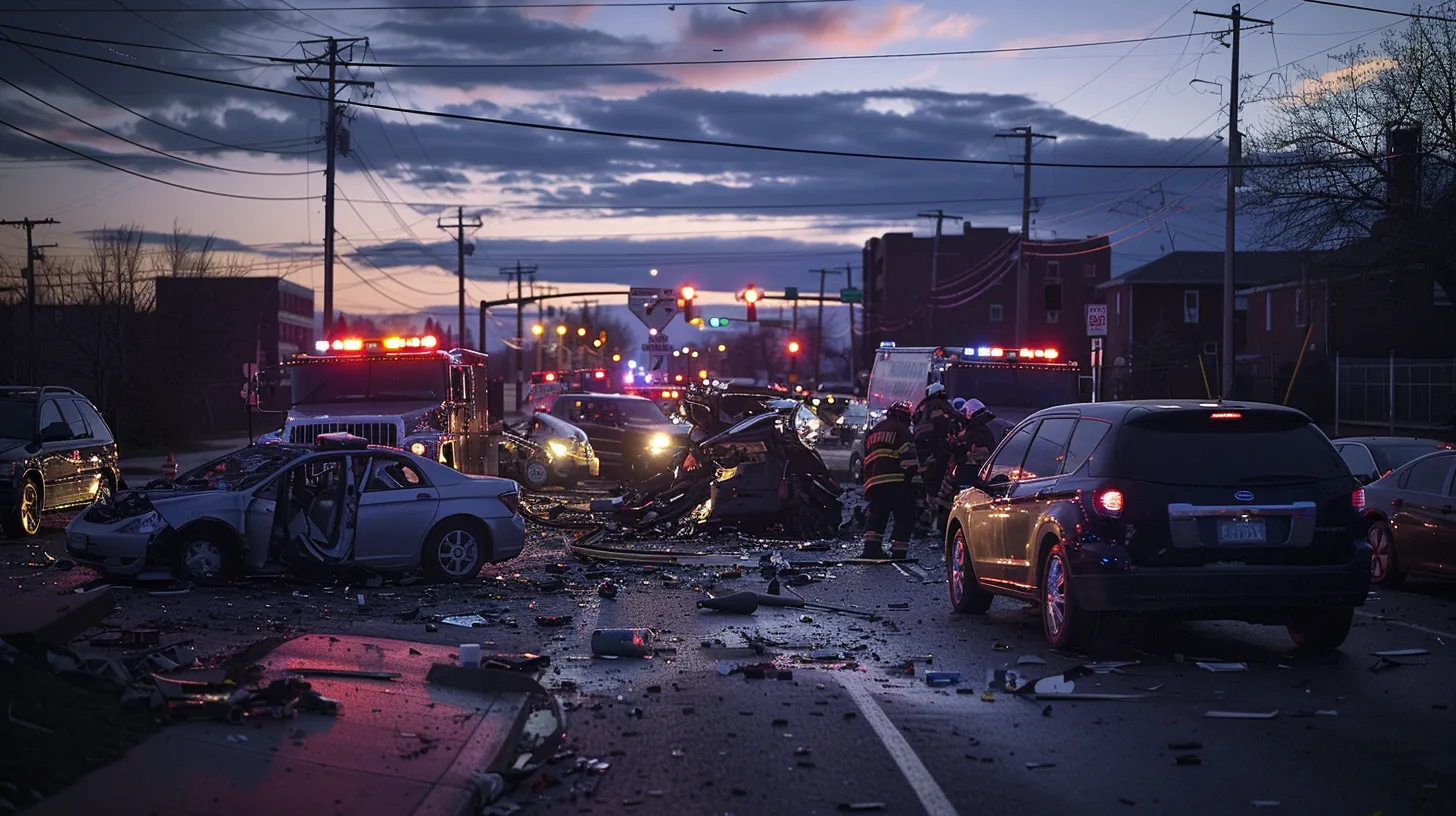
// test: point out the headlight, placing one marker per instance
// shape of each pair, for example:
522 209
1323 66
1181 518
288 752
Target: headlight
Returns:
659 443
145 525
418 449
558 450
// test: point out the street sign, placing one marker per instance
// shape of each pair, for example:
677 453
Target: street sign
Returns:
655 307
851 295
658 361
658 345
1097 320
791 292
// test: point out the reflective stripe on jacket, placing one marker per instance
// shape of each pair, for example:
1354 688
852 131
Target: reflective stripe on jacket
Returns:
889 453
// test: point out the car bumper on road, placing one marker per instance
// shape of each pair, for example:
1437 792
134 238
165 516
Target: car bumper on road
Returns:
1224 588
120 554
507 536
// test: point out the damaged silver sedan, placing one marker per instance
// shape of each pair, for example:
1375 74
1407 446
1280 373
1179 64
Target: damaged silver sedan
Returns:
270 509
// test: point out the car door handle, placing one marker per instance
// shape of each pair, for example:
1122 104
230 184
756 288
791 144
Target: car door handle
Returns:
423 496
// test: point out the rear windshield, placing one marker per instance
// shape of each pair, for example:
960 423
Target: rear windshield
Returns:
1193 449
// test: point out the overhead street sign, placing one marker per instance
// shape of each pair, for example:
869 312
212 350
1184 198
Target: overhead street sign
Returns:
659 345
1097 320
654 306
851 295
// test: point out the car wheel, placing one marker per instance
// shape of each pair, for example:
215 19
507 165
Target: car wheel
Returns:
535 474
24 519
203 556
1065 624
454 551
1384 568
1321 629
966 594
856 468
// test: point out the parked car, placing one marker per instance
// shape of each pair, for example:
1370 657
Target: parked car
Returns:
280 507
631 436
1373 457
1412 517
547 450
1238 511
56 453
850 424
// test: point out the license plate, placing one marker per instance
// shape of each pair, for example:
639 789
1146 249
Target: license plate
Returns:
1241 531
76 541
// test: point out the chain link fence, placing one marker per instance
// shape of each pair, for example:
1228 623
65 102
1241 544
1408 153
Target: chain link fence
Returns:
1395 396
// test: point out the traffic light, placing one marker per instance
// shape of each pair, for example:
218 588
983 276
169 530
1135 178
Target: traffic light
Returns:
718 322
685 298
793 346
750 297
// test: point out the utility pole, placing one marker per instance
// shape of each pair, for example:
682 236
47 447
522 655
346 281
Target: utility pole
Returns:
336 140
1235 180
520 271
1023 264
853 357
940 217
819 329
461 250
794 336
32 254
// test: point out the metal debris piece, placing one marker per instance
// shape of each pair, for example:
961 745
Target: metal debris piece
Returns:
1242 715
466 621
1223 667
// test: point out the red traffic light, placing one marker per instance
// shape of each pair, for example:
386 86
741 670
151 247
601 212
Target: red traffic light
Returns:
793 346
689 293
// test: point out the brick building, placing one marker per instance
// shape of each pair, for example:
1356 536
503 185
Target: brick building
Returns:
218 325
974 298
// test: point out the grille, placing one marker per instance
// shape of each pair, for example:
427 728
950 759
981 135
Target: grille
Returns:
378 433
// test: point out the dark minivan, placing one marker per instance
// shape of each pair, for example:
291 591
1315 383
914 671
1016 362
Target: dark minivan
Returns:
1200 510
56 453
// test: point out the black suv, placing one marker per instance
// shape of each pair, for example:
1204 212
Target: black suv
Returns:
56 453
1200 510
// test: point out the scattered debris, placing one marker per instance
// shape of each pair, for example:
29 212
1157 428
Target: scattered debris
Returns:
553 620
941 678
1402 653
1223 667
466 621
1242 715
622 643
1030 660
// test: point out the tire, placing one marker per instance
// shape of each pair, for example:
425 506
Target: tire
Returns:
1322 629
23 520
204 555
535 474
454 550
856 468
1384 564
966 594
1065 624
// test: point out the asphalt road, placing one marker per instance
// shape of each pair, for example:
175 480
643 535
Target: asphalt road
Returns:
681 737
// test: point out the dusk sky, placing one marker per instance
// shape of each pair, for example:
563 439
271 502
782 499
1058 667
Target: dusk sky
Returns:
714 216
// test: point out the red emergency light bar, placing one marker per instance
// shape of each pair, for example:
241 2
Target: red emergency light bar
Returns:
359 344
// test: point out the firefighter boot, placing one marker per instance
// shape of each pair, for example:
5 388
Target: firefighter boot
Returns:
899 550
873 551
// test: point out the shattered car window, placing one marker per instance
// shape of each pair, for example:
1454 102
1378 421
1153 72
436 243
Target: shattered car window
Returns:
393 474
241 469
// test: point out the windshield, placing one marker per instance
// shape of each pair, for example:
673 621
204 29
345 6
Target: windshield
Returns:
619 411
239 470
1192 449
17 419
1390 457
405 378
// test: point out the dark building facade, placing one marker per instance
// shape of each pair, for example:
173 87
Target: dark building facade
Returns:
974 298
218 326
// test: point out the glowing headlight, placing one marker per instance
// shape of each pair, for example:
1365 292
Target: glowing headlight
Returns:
659 443
144 525
558 449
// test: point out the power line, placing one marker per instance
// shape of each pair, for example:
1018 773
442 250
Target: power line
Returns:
683 140
148 148
641 64
1409 15
731 207
189 188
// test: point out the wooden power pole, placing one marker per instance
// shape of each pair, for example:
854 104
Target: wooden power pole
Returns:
1023 264
32 254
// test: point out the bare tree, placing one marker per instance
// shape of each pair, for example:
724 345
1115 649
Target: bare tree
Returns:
184 255
1334 168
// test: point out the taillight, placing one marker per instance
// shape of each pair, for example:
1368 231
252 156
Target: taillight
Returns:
1358 498
512 501
1108 502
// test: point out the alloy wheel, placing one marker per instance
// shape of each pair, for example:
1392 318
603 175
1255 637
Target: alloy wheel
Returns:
1380 556
1055 613
958 569
30 509
457 553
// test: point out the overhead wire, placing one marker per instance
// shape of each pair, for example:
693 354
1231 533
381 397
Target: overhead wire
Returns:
1135 46
680 140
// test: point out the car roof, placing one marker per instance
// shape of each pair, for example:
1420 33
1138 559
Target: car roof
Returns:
1121 409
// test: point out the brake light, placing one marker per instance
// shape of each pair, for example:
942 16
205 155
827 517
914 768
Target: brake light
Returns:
512 501
1225 415
1357 499
1108 502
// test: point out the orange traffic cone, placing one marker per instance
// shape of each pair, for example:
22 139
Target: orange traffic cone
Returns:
169 470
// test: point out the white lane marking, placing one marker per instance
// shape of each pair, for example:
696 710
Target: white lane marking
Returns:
932 798
1417 627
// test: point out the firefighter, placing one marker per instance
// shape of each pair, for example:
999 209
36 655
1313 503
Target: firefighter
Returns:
889 466
934 427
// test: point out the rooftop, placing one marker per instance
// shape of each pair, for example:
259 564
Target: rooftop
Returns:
1186 268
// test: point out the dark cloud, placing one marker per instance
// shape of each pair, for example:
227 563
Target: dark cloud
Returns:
196 242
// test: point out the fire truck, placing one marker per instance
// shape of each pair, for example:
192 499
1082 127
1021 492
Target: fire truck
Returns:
403 392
